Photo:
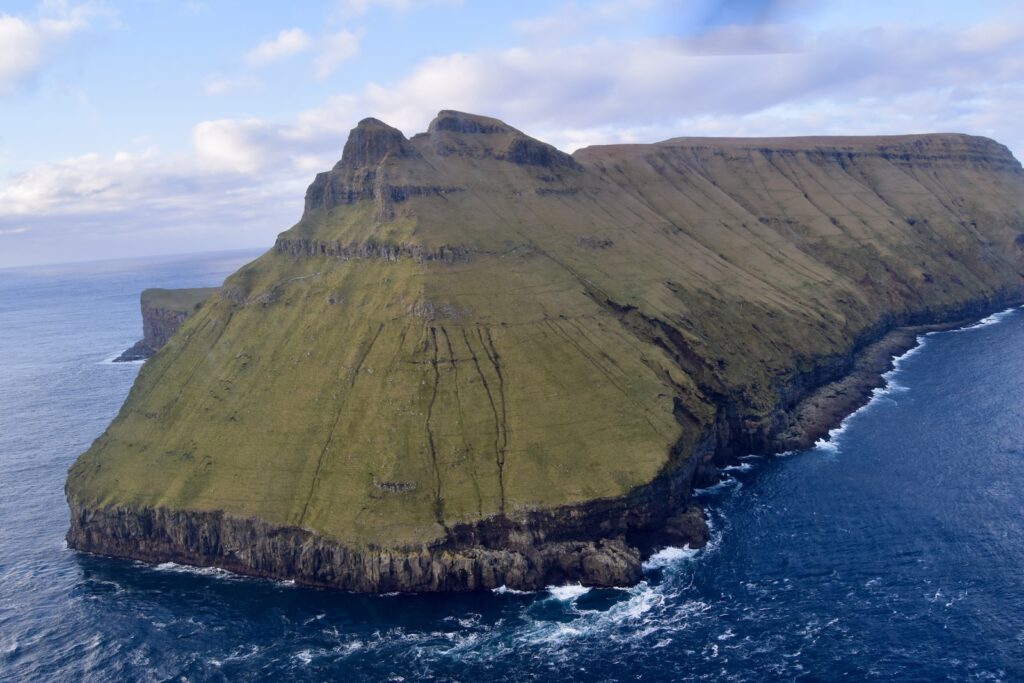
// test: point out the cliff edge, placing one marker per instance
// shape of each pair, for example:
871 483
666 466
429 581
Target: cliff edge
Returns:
163 312
477 360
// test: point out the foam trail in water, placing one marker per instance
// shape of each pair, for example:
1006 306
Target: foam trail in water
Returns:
993 319
198 571
109 360
832 441
568 592
670 555
727 482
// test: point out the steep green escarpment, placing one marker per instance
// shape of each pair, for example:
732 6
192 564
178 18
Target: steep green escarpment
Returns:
477 360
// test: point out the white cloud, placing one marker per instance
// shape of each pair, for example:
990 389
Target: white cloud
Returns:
350 8
21 51
84 181
337 48
230 145
244 177
287 43
223 85
588 92
96 206
27 46
572 17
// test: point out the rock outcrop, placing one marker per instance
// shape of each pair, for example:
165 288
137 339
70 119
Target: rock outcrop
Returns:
478 361
163 312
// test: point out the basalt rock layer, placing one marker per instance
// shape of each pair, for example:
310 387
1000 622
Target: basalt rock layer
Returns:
477 360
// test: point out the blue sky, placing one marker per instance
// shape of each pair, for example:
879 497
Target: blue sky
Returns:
170 126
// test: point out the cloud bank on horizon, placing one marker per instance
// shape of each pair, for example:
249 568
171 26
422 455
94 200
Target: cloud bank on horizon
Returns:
131 129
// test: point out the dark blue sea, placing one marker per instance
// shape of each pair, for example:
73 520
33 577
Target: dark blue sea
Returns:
893 551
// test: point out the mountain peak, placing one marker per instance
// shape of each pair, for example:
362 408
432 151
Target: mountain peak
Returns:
371 141
456 133
470 124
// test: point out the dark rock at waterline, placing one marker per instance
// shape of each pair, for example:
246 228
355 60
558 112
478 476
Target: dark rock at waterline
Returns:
689 528
140 350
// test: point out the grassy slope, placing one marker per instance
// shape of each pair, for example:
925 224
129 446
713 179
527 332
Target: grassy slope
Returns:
183 300
379 401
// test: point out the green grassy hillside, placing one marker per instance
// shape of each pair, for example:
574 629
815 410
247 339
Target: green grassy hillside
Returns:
179 300
471 323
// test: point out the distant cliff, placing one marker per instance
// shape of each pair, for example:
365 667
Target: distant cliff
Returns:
163 312
477 360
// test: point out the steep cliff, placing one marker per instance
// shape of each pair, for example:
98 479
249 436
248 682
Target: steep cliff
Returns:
163 312
477 360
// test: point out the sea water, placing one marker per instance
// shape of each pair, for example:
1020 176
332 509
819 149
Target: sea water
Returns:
894 549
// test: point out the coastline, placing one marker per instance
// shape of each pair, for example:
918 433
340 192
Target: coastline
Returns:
599 543
825 408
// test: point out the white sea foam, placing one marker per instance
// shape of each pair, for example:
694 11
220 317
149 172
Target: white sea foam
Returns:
216 572
640 616
505 590
993 319
237 655
742 467
829 443
832 442
568 592
109 360
892 386
669 556
727 482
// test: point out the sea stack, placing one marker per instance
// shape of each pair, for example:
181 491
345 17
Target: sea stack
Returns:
479 361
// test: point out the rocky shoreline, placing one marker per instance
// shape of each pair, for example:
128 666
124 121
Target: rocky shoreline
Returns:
600 543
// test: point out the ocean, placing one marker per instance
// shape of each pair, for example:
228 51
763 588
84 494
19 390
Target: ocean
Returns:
892 550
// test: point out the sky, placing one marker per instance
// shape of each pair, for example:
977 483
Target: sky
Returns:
173 126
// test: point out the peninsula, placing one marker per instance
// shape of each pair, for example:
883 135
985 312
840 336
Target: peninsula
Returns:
163 312
479 361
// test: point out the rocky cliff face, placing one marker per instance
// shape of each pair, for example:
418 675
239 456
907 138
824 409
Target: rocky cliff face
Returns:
477 360
163 312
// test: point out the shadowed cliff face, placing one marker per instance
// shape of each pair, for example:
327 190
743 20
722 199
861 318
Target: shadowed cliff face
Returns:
472 340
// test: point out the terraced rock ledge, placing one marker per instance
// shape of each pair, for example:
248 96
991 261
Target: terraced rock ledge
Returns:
478 361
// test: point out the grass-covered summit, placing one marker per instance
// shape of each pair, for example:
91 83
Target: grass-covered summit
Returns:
472 340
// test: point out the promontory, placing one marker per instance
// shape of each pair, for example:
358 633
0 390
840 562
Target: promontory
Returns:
478 361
